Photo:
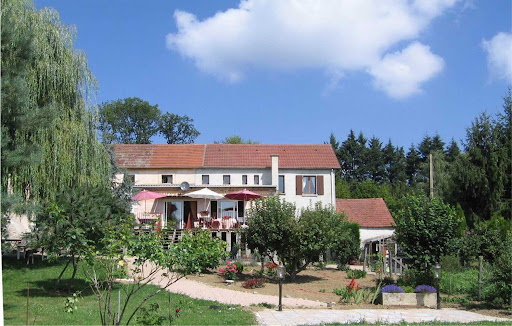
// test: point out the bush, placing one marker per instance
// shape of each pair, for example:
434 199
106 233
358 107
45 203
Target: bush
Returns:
239 267
412 277
202 251
254 283
501 271
355 273
462 282
450 263
229 271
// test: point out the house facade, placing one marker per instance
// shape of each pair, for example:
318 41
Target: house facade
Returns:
301 174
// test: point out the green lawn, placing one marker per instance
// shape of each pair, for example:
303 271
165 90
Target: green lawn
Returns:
47 306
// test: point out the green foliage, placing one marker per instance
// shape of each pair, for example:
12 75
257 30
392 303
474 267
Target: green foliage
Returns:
297 242
177 129
151 315
459 282
353 294
200 251
128 121
235 139
501 271
239 267
355 273
450 263
70 306
48 128
75 223
425 229
491 235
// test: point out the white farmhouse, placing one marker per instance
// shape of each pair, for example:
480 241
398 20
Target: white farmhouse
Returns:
301 174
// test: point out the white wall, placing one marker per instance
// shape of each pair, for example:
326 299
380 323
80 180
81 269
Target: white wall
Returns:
304 201
371 233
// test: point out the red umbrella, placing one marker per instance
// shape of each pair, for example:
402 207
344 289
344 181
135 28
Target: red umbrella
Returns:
145 195
242 195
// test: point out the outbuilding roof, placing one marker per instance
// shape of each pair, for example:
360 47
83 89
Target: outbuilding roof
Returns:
368 212
225 156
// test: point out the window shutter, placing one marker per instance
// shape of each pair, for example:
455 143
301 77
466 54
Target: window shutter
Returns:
298 185
320 184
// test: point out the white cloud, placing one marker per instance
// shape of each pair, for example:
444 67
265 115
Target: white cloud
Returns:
499 56
335 35
400 74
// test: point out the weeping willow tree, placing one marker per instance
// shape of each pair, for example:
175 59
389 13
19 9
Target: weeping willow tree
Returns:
49 141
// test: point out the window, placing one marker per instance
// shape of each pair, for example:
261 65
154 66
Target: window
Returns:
166 178
244 179
256 179
281 184
309 185
206 179
226 179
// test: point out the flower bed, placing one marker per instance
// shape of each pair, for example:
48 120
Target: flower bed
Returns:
408 299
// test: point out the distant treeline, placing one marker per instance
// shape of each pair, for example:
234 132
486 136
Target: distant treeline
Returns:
476 176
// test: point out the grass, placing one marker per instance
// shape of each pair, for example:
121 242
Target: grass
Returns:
47 305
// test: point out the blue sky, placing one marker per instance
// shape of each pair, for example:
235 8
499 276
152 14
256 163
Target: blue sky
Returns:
293 72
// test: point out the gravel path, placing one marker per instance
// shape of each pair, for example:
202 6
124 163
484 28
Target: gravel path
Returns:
199 290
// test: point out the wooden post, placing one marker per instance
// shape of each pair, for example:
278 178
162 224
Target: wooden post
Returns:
431 176
480 268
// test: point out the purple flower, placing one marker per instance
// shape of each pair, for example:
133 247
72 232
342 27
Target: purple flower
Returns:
392 288
423 288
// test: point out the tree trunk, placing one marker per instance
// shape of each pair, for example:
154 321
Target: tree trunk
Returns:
61 273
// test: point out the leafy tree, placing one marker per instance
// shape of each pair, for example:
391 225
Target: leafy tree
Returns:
235 139
501 270
177 129
203 252
151 262
346 241
48 136
74 223
128 121
273 227
425 229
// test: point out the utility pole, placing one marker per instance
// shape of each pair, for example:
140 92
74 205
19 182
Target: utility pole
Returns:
431 176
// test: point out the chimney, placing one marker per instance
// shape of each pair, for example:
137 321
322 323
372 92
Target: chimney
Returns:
275 169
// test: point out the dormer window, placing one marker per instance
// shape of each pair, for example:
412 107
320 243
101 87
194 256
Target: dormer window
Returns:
167 179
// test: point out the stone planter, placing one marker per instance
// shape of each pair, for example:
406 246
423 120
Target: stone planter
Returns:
408 299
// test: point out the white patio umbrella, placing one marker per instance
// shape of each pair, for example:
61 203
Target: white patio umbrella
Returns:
205 193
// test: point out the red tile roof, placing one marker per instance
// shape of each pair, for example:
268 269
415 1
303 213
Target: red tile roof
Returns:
258 156
159 156
369 212
225 156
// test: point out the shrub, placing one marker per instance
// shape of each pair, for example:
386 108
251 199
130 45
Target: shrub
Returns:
254 283
239 267
450 263
423 288
229 271
408 289
343 267
270 269
462 282
501 271
202 251
392 288
355 273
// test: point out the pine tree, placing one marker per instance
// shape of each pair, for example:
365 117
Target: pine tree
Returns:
375 165
413 160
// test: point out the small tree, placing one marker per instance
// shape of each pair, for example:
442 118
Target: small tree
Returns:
202 252
273 228
425 229
75 222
